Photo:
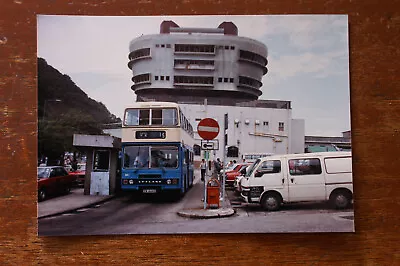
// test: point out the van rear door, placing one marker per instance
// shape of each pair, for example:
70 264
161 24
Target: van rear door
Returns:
306 179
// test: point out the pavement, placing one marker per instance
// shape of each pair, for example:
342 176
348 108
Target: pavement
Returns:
195 209
68 203
77 200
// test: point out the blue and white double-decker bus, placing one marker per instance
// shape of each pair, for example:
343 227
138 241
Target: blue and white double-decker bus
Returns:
157 149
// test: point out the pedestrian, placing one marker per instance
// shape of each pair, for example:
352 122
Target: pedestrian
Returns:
203 168
217 166
74 165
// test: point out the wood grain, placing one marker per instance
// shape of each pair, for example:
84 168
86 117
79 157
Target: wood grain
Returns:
375 109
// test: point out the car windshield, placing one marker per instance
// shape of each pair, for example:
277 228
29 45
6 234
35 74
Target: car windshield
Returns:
252 167
43 172
231 167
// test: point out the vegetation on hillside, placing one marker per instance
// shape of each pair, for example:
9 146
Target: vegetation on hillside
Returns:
63 110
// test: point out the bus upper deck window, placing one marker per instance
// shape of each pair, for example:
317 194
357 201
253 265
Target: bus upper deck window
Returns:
156 117
169 117
144 117
132 117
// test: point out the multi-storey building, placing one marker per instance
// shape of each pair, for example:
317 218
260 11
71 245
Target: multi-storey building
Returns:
183 64
189 65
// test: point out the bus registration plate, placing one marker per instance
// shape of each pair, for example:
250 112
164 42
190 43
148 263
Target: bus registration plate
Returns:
149 190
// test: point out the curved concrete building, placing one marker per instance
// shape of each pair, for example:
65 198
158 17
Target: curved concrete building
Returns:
188 64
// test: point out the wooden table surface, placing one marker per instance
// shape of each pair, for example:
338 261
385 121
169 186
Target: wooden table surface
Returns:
375 110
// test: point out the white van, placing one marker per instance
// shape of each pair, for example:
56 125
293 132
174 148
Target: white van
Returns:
275 180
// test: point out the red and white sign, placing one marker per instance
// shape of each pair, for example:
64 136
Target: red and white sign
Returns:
208 128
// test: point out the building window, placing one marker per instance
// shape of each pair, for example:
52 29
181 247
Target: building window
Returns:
162 45
231 80
193 80
233 151
226 47
168 45
265 123
157 45
193 48
281 126
307 166
225 79
232 47
162 77
155 77
101 161
219 79
166 77
193 64
196 149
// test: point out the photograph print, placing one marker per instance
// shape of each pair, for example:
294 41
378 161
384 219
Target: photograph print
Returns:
193 124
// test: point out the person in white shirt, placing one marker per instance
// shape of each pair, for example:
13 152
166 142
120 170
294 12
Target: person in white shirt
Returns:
203 167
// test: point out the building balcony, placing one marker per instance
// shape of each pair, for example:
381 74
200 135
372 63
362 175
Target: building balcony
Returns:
133 60
256 63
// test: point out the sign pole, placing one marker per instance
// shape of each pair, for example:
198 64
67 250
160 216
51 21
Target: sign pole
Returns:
207 129
205 180
223 159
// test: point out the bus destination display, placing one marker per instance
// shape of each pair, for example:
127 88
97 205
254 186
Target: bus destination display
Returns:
150 134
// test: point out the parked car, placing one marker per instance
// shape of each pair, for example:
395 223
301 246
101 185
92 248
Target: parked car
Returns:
237 171
229 168
275 180
53 180
79 174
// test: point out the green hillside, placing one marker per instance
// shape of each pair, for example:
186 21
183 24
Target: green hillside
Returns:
63 110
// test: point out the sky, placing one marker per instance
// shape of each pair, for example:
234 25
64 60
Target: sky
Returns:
308 59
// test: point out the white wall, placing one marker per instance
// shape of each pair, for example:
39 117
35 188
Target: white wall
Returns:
297 139
251 137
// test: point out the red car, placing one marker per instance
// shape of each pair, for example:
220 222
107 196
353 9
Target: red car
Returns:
53 180
231 175
79 174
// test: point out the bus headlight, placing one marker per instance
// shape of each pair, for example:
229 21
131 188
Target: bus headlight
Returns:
131 182
169 182
174 181
125 181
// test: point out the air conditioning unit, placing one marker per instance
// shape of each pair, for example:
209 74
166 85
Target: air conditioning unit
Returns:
257 122
247 121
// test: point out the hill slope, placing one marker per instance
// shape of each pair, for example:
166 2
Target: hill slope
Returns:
54 85
64 110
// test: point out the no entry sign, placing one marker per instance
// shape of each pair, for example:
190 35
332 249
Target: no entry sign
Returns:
208 129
